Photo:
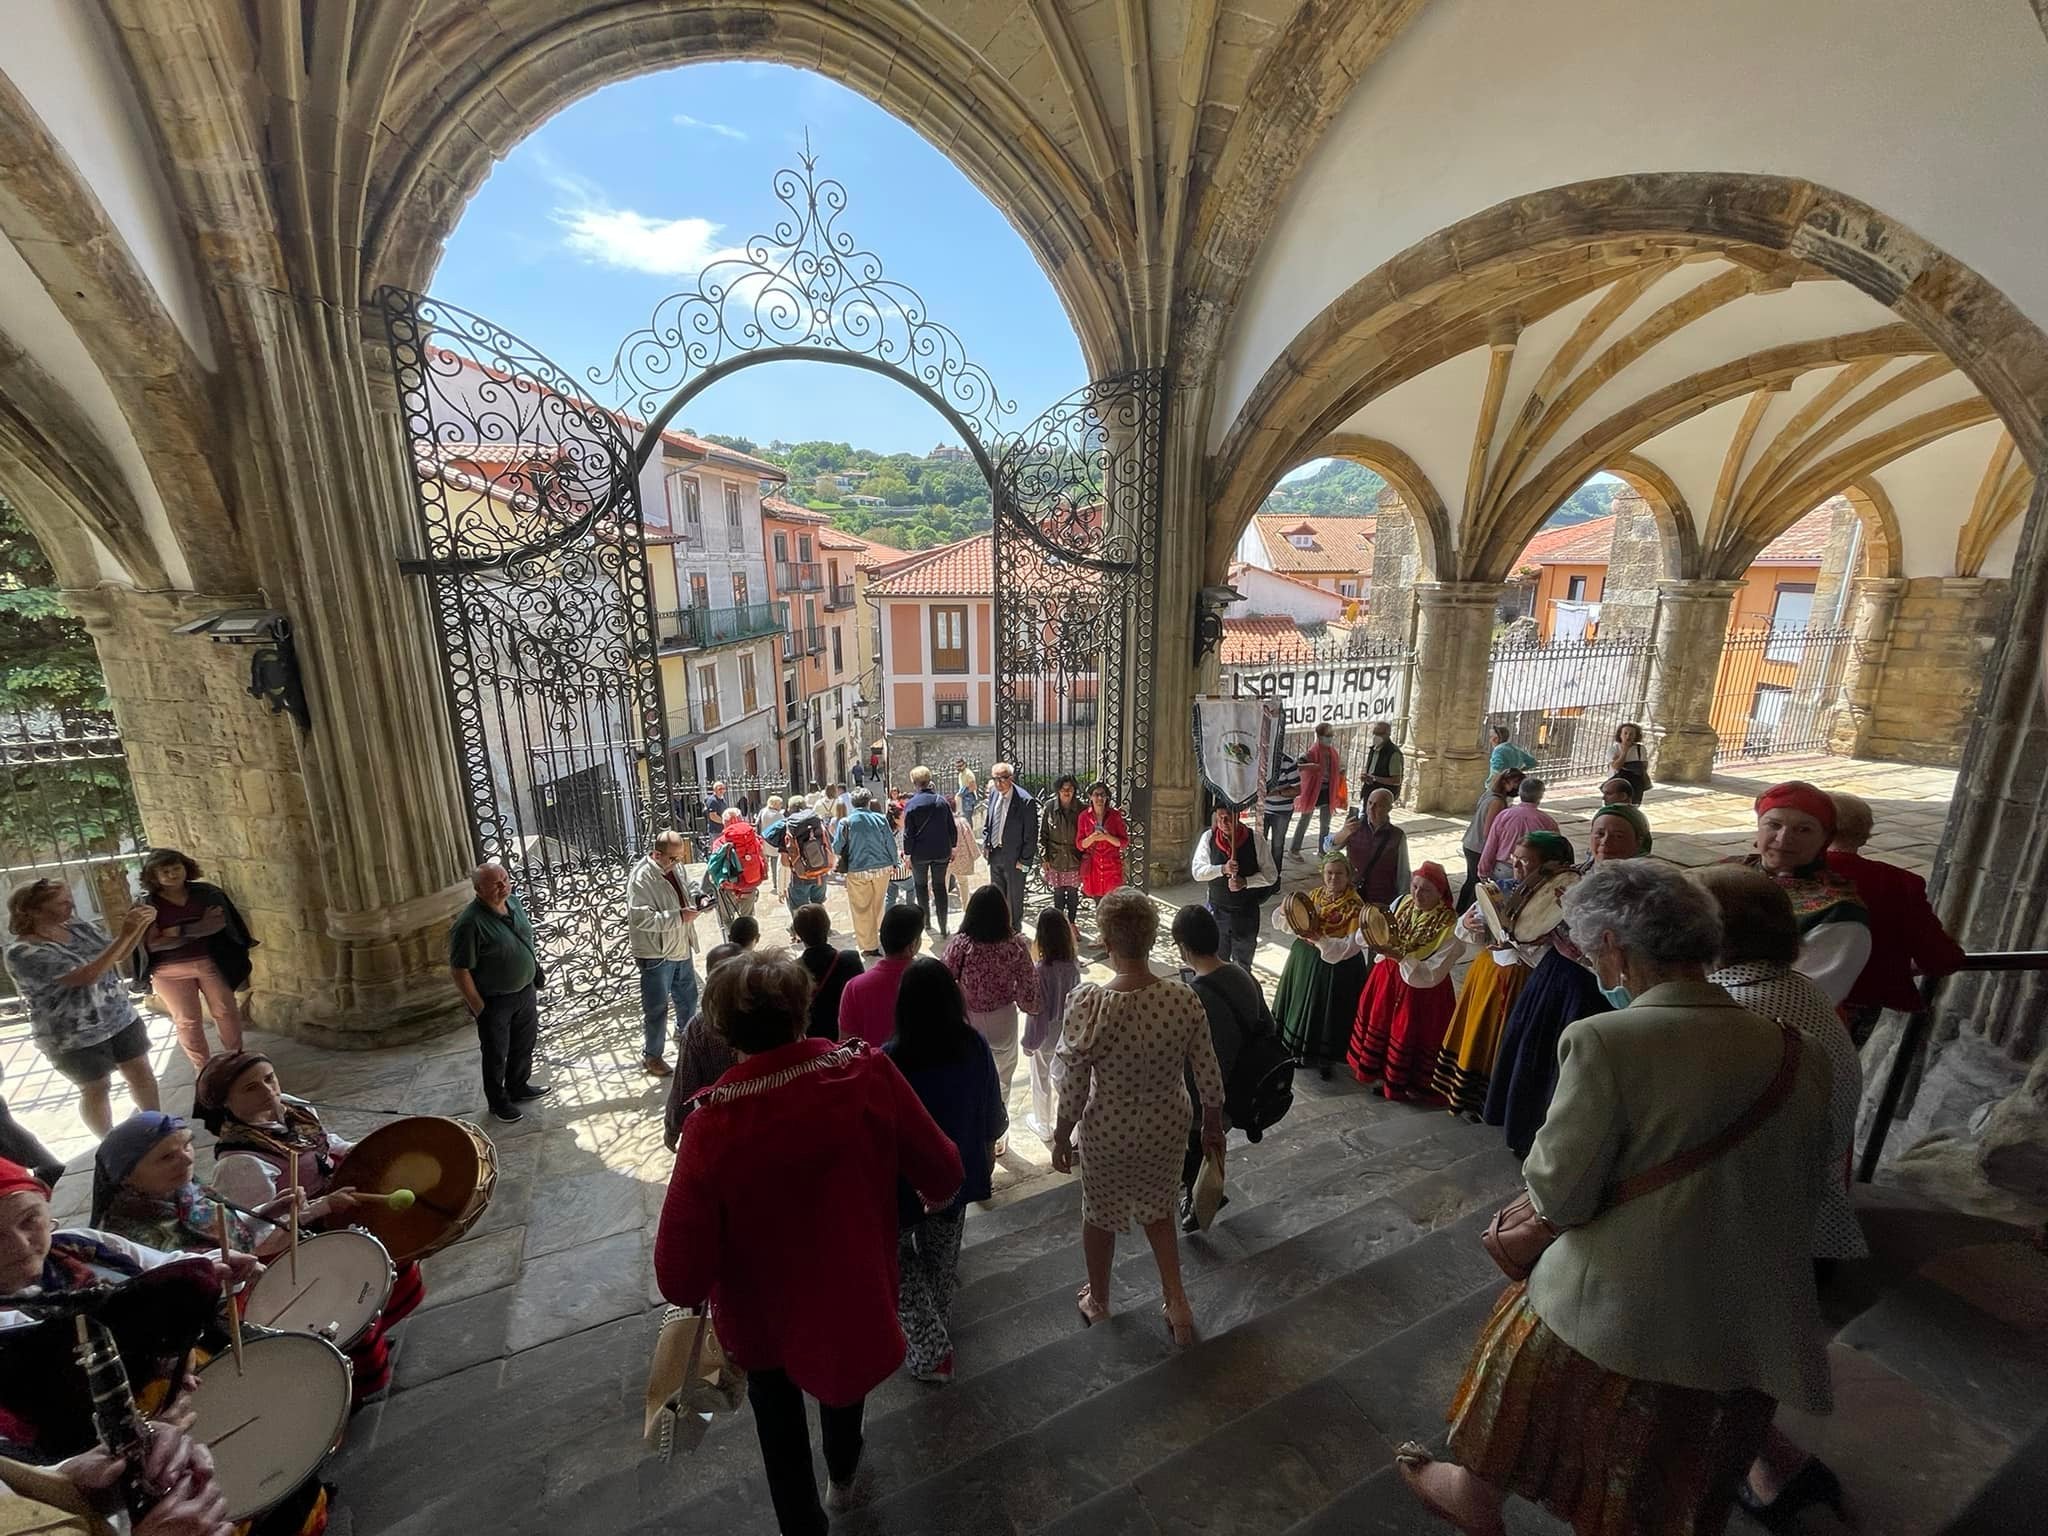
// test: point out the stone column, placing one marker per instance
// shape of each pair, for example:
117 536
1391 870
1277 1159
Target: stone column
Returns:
1942 639
1396 561
1875 600
1447 700
1691 633
1170 670
1635 556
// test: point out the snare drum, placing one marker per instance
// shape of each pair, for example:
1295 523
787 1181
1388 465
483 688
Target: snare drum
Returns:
449 1165
272 1423
344 1279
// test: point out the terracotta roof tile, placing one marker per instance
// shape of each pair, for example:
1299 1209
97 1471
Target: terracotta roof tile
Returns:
1248 642
1584 543
1804 543
963 569
1338 544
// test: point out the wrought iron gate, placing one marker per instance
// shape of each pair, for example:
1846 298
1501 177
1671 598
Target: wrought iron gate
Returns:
529 511
535 552
1077 507
1778 690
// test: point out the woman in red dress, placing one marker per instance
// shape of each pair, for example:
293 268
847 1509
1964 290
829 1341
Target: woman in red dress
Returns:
1406 1006
1102 838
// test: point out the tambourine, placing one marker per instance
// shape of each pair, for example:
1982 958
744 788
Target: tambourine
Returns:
1379 932
1300 915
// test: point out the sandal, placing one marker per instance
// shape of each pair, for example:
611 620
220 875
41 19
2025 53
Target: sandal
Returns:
1411 1459
1180 1328
1091 1314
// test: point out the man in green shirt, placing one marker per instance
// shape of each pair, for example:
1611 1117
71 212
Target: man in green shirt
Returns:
491 956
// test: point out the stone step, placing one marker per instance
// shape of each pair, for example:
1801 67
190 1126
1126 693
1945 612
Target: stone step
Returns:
1086 1443
1314 1203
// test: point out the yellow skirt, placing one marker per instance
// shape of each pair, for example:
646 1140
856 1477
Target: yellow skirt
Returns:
1465 1064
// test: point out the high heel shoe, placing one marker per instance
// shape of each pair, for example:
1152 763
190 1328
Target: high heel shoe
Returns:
1180 1326
1814 1483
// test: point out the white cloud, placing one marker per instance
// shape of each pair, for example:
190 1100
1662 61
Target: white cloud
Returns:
639 242
723 130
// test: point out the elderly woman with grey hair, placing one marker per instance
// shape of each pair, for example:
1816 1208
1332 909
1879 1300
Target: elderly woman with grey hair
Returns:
1676 1306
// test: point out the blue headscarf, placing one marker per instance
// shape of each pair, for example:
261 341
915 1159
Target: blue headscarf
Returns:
126 1145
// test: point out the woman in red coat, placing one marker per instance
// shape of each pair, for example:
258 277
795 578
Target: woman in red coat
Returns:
781 1214
1102 838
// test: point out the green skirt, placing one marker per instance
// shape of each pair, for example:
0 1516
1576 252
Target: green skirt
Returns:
1317 1002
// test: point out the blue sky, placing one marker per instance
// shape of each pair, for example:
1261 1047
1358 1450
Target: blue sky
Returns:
622 198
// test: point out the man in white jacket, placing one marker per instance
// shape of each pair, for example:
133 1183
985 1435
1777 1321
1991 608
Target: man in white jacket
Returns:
663 923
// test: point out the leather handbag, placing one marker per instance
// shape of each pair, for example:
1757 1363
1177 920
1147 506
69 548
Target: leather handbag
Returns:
690 1381
1519 1234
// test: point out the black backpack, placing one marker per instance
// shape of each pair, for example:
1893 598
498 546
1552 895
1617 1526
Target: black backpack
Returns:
1261 1086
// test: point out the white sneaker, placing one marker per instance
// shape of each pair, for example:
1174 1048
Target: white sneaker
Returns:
841 1497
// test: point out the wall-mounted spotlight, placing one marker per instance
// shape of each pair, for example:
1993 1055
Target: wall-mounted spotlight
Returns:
274 664
1209 605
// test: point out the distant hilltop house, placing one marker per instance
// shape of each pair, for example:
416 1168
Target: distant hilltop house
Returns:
1334 553
952 452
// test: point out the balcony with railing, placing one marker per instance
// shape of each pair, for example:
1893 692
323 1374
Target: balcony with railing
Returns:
813 639
688 629
799 576
839 595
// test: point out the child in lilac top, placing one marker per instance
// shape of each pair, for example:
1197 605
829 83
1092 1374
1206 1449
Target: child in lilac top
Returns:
1058 972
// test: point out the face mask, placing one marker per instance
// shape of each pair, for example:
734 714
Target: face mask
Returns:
1617 997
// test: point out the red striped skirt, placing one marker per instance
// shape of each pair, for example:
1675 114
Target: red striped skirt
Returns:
1612 1455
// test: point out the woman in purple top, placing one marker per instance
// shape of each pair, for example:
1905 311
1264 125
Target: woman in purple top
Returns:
867 1008
993 967
1058 972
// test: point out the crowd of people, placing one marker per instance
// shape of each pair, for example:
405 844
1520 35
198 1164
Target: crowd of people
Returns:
1671 1053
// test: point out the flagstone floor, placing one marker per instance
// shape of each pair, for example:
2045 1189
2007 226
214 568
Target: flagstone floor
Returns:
564 1250
604 1118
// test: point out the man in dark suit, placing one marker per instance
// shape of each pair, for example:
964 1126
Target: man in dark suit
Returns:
1009 836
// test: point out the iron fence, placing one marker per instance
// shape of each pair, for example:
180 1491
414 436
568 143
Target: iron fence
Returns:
1779 690
1341 678
67 812
1564 699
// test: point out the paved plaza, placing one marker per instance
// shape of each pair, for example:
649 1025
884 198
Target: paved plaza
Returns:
549 1302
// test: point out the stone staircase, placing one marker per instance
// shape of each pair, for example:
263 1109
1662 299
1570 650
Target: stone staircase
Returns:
1337 1298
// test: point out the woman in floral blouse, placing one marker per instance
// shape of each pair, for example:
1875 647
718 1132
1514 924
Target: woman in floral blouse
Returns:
80 1013
994 969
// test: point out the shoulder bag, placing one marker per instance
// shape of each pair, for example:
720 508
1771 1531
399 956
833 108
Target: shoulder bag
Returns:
1518 1234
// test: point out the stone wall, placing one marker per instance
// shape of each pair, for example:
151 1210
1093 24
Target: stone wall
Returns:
938 750
1942 637
1843 539
1396 562
1635 564
219 776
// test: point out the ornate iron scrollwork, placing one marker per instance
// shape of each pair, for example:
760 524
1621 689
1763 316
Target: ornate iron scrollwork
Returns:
805 286
529 515
1076 593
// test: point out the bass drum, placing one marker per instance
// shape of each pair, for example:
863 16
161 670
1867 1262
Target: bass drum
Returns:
273 1420
449 1165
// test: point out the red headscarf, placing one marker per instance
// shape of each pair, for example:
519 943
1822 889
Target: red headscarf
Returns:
1798 795
17 1180
1433 872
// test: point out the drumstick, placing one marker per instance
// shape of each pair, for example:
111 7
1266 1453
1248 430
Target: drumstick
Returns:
220 1216
293 1158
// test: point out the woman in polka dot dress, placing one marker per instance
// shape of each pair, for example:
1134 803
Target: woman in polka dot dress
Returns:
1125 1052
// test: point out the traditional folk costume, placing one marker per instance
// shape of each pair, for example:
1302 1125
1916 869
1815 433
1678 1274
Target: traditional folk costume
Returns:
252 1166
1407 1002
1561 991
184 1221
1834 925
1319 989
1494 980
1102 864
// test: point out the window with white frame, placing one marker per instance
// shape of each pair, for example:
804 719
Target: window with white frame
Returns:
735 520
952 712
707 697
1791 612
949 640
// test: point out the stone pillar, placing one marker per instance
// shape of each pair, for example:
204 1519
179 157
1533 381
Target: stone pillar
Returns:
1396 562
1844 546
1933 675
1169 672
1691 634
1874 600
1447 701
1635 558
217 776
